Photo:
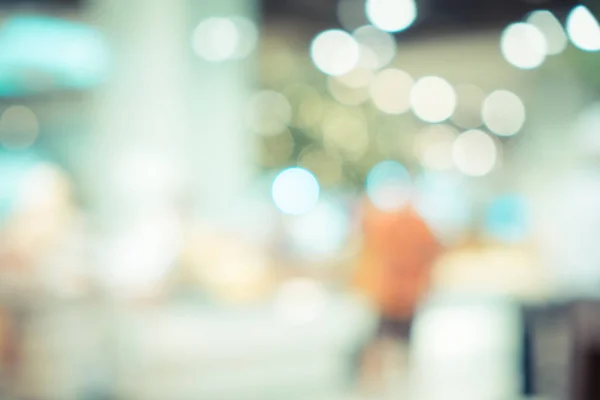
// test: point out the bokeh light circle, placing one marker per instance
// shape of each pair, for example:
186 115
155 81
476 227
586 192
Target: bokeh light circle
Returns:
433 99
475 153
391 15
269 112
433 147
377 47
503 113
523 45
550 26
389 186
391 90
216 39
583 29
346 95
248 36
507 218
19 127
295 191
334 52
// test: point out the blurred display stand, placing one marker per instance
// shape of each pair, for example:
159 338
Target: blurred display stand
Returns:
259 354
467 347
190 352
494 347
563 342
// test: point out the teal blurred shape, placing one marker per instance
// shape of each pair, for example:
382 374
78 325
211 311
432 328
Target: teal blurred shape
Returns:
389 185
507 218
14 167
444 202
69 55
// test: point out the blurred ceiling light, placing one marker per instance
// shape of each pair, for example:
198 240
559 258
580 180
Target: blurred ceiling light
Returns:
322 232
552 29
475 153
583 29
72 55
347 95
269 112
351 14
301 301
19 127
326 166
346 133
247 37
391 15
334 52
295 191
468 106
216 39
503 113
391 91
377 48
389 186
433 99
433 147
523 45
357 78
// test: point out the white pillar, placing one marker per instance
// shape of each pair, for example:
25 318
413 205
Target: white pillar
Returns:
167 123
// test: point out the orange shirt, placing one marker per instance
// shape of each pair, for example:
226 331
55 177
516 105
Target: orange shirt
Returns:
398 252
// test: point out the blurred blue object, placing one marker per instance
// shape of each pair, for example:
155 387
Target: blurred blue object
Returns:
444 202
507 218
13 169
42 53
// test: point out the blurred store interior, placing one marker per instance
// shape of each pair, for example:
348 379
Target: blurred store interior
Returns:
299 199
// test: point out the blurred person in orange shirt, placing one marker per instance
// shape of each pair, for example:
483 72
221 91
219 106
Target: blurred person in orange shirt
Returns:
394 274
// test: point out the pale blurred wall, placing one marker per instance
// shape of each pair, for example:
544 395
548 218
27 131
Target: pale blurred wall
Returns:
169 108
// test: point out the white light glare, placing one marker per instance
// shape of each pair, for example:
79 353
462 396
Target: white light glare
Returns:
377 48
391 15
390 91
215 39
583 29
295 191
433 99
523 45
474 153
553 31
219 39
503 113
334 52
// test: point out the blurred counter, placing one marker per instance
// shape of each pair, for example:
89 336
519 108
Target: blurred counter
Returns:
276 351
